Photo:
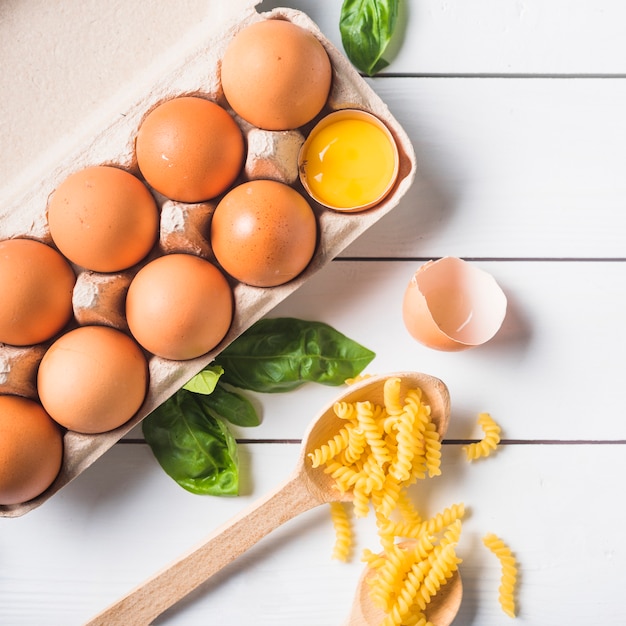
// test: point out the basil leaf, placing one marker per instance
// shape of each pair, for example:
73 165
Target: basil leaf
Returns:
231 406
366 28
193 447
280 354
205 381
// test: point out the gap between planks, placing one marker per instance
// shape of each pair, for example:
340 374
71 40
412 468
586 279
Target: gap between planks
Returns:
450 442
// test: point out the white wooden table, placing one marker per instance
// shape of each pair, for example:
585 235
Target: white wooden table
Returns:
516 111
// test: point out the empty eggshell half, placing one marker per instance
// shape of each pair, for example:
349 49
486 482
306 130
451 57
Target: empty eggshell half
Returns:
451 305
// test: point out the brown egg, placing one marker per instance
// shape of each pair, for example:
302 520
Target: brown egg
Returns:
36 285
276 75
263 233
190 149
179 306
93 379
31 450
103 219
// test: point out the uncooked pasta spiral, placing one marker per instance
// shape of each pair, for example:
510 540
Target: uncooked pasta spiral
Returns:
343 531
386 499
344 410
361 497
377 453
374 474
385 584
391 396
508 579
443 563
344 476
407 511
488 443
330 450
432 450
365 416
407 446
431 526
356 445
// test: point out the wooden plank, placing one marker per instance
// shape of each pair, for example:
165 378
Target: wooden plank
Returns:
495 36
554 371
571 558
483 189
508 168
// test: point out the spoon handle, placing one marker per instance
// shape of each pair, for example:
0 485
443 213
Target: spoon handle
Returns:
151 598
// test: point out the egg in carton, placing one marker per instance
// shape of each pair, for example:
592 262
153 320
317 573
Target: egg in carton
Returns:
99 298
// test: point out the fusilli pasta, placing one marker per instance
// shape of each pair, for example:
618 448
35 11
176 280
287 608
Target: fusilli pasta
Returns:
508 579
378 453
488 443
343 531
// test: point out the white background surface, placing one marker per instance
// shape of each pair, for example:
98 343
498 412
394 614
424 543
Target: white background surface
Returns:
515 109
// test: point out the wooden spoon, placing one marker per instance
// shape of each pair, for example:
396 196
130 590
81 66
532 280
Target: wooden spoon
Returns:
305 489
440 611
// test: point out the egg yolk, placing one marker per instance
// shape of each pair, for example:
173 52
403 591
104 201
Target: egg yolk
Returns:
349 163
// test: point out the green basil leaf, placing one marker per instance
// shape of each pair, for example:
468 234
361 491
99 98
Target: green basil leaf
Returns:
231 406
366 28
205 381
193 447
280 354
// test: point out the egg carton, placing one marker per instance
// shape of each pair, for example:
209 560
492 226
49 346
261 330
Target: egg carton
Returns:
99 298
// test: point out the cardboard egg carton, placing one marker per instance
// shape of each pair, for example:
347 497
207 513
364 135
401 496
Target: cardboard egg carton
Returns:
99 298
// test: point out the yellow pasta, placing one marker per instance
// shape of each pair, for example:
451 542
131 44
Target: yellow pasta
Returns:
344 476
432 446
406 509
391 396
366 418
443 563
508 565
386 499
408 445
488 443
356 446
380 451
431 526
361 497
377 455
357 379
384 585
344 410
410 583
331 449
343 531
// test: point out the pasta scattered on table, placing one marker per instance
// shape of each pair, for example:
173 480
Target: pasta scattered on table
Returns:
343 531
377 453
380 451
488 443
508 579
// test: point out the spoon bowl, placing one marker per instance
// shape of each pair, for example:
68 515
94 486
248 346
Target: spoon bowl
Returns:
440 611
325 426
306 488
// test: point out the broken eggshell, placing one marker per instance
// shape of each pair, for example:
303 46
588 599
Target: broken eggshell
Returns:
451 305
